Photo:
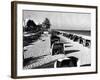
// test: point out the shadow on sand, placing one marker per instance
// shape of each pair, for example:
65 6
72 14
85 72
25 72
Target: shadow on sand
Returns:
32 60
71 51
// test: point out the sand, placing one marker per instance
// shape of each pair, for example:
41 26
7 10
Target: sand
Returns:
41 48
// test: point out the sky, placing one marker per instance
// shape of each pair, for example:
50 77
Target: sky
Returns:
60 20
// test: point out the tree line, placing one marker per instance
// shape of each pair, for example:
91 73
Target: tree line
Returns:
31 26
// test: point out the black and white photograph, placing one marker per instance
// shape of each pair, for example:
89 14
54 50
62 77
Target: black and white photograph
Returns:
56 39
53 39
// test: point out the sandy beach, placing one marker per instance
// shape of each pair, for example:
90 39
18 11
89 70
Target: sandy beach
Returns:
40 52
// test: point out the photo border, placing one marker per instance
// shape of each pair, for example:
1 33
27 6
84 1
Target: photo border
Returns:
14 37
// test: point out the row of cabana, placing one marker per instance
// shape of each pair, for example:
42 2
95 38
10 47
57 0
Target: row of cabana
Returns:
76 38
